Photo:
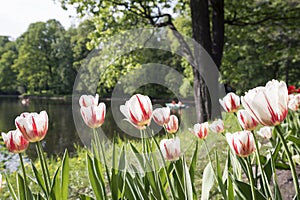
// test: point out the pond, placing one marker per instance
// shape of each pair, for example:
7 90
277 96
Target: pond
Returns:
62 132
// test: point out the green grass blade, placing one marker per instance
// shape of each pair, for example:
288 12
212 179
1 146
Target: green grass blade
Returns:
207 181
11 190
21 187
55 191
39 179
65 176
97 186
85 197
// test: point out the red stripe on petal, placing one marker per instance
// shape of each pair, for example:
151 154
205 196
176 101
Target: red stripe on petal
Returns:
34 128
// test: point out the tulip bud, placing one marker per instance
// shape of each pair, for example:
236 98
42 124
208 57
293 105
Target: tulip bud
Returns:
170 148
138 111
246 121
294 102
33 126
242 143
172 125
14 141
88 100
161 116
93 116
200 130
265 132
217 126
230 103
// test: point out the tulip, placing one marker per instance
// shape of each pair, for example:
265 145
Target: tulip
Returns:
88 100
200 130
246 121
230 103
14 141
33 126
265 132
161 116
93 116
170 148
294 102
138 111
172 125
291 89
217 126
268 105
242 143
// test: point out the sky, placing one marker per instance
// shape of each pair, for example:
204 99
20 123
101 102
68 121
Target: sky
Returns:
16 15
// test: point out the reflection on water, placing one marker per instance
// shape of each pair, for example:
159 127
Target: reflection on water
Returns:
62 133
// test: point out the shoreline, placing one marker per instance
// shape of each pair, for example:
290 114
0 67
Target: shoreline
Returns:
69 98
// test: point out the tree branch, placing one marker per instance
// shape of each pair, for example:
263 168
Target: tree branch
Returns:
276 16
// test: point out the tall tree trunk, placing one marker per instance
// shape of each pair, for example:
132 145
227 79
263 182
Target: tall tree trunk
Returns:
218 31
201 34
214 47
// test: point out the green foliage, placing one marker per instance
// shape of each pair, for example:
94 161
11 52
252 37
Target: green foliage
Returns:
8 54
261 43
43 60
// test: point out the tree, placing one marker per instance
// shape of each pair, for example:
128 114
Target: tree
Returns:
8 54
262 47
79 42
208 25
44 64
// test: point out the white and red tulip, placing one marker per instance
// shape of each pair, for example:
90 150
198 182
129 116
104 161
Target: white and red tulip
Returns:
88 100
294 102
33 126
93 115
246 121
200 130
172 125
170 148
241 143
138 111
268 105
217 126
14 141
161 116
230 103
265 132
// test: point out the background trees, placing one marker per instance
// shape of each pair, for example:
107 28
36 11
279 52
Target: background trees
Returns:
44 59
250 41
247 26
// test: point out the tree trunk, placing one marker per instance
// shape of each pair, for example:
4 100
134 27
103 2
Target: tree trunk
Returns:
218 31
213 46
201 34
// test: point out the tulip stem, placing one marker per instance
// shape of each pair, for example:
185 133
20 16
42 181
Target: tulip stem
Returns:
24 174
165 169
291 163
250 176
237 119
98 142
266 185
211 163
43 166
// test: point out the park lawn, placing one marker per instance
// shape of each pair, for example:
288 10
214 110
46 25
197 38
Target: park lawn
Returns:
79 183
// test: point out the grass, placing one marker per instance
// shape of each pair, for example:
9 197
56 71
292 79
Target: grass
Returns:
79 182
